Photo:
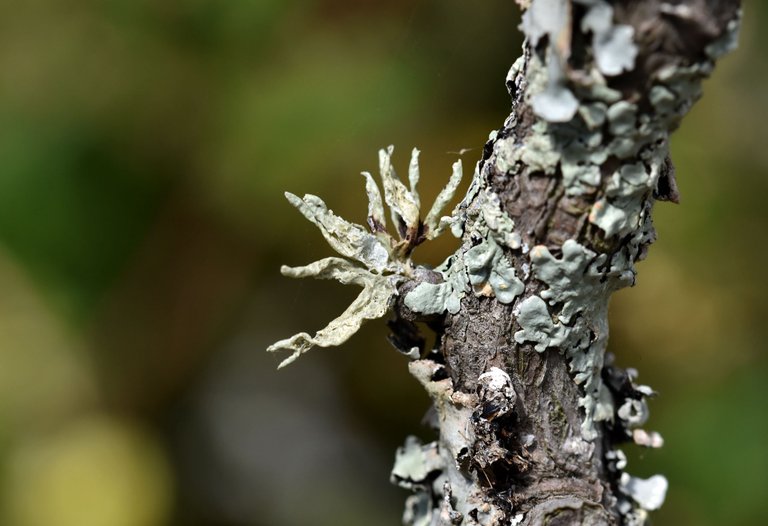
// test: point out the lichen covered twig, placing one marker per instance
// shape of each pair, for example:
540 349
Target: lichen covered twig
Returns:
529 409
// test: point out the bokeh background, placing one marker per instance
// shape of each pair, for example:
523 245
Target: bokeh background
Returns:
144 149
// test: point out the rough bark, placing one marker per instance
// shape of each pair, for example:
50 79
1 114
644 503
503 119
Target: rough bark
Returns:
529 411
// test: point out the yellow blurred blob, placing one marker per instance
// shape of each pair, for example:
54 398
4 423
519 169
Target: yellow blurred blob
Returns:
45 376
97 471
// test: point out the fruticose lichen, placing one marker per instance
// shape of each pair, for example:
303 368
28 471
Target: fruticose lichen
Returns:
380 261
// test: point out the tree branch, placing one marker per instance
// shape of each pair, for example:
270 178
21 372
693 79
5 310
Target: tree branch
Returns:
530 412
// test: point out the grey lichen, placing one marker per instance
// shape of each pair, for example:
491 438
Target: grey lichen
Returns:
381 261
620 210
348 239
551 18
551 89
580 179
630 400
593 114
612 219
633 412
622 117
403 203
611 150
434 222
551 99
500 225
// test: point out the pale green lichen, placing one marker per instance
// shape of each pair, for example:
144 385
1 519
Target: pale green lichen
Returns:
413 176
500 225
459 215
403 204
599 90
551 18
580 179
414 462
539 152
571 312
434 222
416 467
593 114
622 117
373 302
485 266
536 325
550 97
348 239
633 412
620 211
556 102
438 479
578 278
614 154
615 52
560 145
624 147
490 271
579 282
662 99
382 261
611 219
436 298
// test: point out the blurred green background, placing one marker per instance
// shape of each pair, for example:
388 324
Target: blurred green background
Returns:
144 149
